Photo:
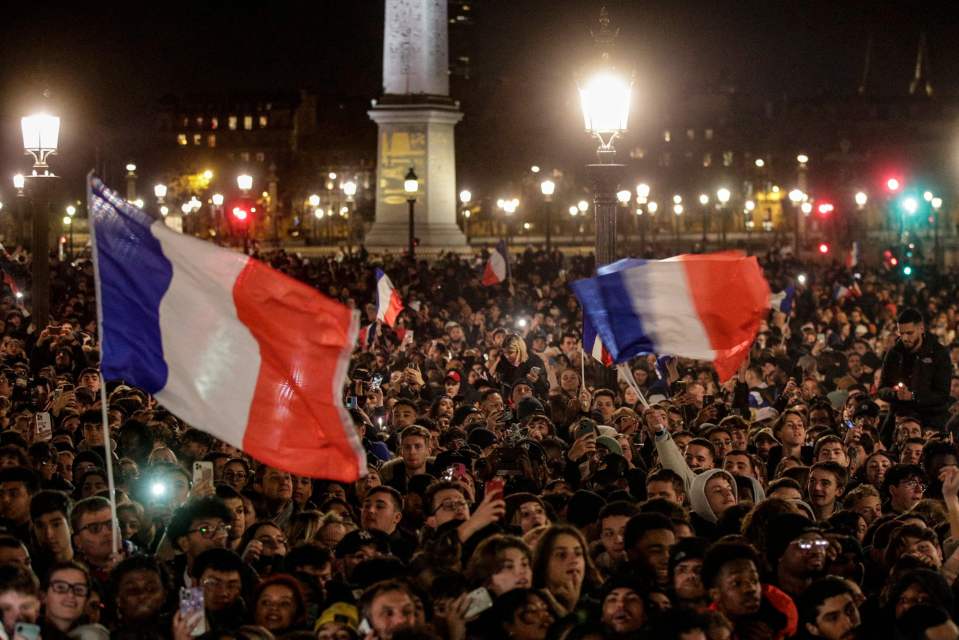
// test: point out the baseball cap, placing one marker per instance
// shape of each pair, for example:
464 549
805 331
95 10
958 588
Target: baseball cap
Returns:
454 375
359 538
339 612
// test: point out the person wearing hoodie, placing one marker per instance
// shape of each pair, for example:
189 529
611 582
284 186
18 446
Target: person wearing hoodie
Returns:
712 492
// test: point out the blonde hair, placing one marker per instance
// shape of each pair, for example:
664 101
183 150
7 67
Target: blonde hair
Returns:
304 526
515 340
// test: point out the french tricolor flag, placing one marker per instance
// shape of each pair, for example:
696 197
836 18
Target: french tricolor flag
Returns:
388 302
226 343
497 267
706 307
593 345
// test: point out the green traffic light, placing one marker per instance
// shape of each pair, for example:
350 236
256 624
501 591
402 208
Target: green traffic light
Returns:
907 270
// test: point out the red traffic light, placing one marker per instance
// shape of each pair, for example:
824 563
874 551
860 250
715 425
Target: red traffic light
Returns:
240 213
826 208
823 248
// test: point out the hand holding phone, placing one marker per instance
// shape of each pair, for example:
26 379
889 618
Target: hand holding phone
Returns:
495 487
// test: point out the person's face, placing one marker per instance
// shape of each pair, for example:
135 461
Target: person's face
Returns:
335 631
869 507
657 419
663 489
273 541
403 416
604 404
18 607
52 531
302 489
531 621
737 590
911 453
567 562
837 618
92 485
277 485
238 523
739 465
205 534
908 429
415 450
94 535
66 596
538 429
15 555
276 607
687 579
379 512
389 610
793 432
926 549
449 504
805 556
699 458
913 595
823 488
723 443
140 596
624 611
235 475
876 469
654 547
910 334
14 501
906 493
129 524
612 530
719 494
833 452
820 418
513 572
569 344
220 588
531 515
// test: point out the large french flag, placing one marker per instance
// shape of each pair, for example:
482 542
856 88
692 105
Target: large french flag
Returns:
388 301
226 343
706 307
497 267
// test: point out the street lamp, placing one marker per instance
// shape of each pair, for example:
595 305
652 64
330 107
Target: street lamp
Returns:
411 185
41 133
465 197
642 192
159 190
861 199
797 197
605 100
245 182
131 182
583 206
547 188
704 203
723 195
936 203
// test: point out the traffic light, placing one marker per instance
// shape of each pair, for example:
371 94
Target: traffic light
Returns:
893 184
907 271
825 208
823 248
240 214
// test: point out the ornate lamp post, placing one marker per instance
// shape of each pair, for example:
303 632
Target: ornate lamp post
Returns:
548 187
605 102
41 133
465 198
411 185
722 198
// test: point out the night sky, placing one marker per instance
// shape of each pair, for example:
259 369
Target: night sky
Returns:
108 65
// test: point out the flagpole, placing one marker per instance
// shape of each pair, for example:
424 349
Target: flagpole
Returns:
108 450
631 381
582 366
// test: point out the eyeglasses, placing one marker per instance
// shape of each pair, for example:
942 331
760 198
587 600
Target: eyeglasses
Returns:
211 532
452 505
62 587
96 527
809 545
913 483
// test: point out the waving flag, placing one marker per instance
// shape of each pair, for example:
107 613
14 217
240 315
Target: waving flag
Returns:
593 345
497 267
706 307
388 302
783 301
229 345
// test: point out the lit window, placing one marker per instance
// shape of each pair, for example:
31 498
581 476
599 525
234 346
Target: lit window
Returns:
211 140
231 121
186 121
214 123
260 156
727 158
264 121
199 122
667 136
181 139
248 123
245 156
691 134
709 134
707 159
197 139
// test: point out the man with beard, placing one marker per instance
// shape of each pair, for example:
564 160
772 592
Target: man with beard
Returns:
685 572
827 609
731 577
796 550
624 608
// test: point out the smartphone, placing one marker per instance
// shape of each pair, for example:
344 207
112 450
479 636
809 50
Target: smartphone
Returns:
44 427
821 337
202 473
67 387
583 429
27 631
536 370
495 486
351 402
191 605
480 601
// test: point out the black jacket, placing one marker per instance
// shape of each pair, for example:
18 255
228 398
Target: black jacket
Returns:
927 373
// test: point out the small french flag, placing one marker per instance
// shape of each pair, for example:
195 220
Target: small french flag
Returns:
388 302
852 259
593 345
497 267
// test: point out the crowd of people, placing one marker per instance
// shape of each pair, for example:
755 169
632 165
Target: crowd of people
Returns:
516 487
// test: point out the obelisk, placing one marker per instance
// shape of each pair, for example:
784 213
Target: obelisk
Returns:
415 117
